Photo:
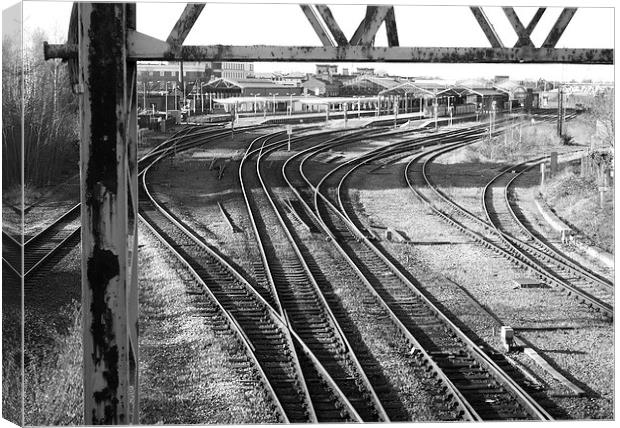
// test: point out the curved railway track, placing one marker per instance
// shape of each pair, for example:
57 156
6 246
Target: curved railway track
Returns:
500 207
298 382
297 292
64 232
536 261
476 384
294 337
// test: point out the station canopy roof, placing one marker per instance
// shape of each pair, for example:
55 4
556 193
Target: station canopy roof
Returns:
335 100
286 98
411 89
224 83
258 99
457 91
509 87
381 82
486 92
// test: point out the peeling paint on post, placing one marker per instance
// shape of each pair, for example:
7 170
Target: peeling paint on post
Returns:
104 163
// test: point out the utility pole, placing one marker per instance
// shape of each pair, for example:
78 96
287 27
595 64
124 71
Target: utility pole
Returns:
195 95
492 118
560 124
182 84
435 112
395 110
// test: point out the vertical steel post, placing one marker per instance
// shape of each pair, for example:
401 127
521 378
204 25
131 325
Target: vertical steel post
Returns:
182 73
166 95
560 108
131 94
108 167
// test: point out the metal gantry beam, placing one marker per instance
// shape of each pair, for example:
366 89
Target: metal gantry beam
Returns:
146 48
487 27
184 24
332 25
367 29
318 27
390 28
535 19
361 46
524 36
522 32
558 28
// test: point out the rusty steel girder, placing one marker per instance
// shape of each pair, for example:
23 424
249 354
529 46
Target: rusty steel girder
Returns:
143 49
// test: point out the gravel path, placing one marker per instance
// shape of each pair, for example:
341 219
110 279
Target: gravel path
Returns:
186 372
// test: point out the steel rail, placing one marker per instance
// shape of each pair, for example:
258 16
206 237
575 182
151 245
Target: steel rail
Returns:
259 241
232 324
230 269
547 251
530 404
47 256
195 132
274 291
535 253
467 411
511 252
55 223
16 246
533 407
278 319
331 317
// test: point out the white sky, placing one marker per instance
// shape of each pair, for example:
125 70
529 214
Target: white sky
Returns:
252 23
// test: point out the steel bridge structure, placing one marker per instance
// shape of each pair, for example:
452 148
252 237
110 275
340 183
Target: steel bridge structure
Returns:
102 49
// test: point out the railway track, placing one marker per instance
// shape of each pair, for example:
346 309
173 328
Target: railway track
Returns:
483 231
297 381
470 376
297 292
39 251
11 255
41 248
501 210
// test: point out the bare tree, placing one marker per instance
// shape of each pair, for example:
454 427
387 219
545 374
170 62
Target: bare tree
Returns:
49 115
603 114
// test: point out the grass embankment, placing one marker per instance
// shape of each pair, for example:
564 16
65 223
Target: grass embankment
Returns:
575 199
53 390
53 345
519 144
11 363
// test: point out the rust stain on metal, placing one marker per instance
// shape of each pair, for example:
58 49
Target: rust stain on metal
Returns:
103 265
184 24
396 54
